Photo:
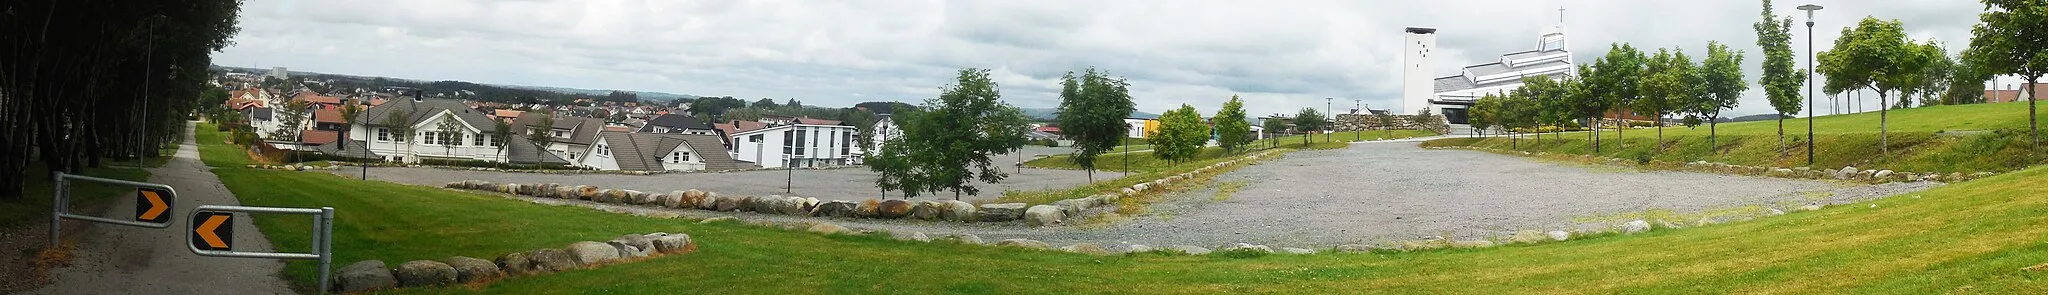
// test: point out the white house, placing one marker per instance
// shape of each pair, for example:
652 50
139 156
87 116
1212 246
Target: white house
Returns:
803 142
471 138
1450 96
884 129
571 136
658 152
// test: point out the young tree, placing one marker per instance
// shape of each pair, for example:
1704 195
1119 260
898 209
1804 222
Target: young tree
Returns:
539 132
291 119
1931 84
1306 121
1485 113
958 133
1966 81
400 129
448 132
1180 136
1671 84
1781 78
1618 82
1876 55
2008 40
1092 111
500 130
1272 126
1232 130
349 112
1721 89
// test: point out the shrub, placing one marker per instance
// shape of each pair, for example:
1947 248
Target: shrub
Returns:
1641 124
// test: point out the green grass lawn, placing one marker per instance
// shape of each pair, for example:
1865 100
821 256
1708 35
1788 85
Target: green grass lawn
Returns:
1974 236
1966 138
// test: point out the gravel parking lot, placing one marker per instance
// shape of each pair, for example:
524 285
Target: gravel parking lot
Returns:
840 183
1386 192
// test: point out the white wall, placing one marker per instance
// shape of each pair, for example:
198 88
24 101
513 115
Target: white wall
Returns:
1418 72
599 158
824 145
415 147
1137 129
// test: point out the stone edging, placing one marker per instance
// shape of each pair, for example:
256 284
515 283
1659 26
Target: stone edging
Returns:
374 275
1845 173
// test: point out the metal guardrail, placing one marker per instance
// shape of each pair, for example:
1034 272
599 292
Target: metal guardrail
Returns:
323 235
62 199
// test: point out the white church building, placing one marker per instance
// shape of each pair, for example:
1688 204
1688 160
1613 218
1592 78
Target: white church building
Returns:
1451 95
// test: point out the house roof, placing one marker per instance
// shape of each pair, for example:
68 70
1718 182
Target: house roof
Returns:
675 122
583 131
814 121
521 151
644 151
353 149
328 116
314 137
316 98
421 111
507 113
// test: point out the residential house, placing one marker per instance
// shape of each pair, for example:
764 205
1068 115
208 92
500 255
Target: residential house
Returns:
506 115
570 136
885 128
658 152
471 139
677 124
317 101
801 142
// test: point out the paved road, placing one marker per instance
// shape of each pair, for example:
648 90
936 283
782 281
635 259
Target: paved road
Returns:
132 260
829 184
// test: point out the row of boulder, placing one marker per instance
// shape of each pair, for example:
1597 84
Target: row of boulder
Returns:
373 275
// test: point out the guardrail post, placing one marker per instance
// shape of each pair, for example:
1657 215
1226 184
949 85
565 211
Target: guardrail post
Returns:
325 232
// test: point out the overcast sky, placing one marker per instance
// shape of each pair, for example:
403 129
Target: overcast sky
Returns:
1280 56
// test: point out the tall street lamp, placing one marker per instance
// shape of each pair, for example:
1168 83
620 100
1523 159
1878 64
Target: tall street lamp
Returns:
1328 117
1809 8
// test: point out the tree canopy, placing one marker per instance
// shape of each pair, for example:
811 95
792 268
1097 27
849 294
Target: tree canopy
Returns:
952 138
1180 136
1233 131
1091 113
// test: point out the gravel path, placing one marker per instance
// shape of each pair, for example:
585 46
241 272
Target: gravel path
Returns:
1392 191
838 183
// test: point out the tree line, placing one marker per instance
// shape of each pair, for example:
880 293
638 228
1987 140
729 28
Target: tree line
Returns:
83 81
1874 55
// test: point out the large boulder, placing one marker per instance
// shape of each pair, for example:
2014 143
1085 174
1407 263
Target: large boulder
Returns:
637 241
954 210
1558 235
1297 251
617 196
668 243
1074 207
1044 215
1023 243
1882 174
517 264
471 269
550 260
794 206
728 204
969 239
927 210
588 254
867 209
829 229
671 200
423 273
835 209
893 209
628 250
642 198
692 198
1087 248
809 205
710 202
564 192
1000 212
1636 226
1194 250
456 185
1246 247
585 192
364 276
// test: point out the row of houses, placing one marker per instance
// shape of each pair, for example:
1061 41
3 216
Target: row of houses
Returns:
451 130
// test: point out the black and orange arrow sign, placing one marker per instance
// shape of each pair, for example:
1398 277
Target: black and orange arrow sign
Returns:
151 204
213 231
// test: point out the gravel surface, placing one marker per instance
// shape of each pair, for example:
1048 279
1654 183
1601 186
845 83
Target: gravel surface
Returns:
853 183
1375 193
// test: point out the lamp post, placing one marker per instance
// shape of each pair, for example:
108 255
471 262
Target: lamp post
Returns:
1327 117
1809 8
148 61
1356 112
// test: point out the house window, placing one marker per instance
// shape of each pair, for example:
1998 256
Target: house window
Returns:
497 141
427 137
559 133
603 150
383 134
451 138
477 140
800 146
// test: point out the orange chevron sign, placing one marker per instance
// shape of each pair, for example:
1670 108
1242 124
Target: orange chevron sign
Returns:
215 233
150 205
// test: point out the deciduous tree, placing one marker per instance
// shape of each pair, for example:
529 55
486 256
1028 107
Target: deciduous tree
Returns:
2008 39
1721 88
1233 131
1876 55
1781 78
1308 120
1092 111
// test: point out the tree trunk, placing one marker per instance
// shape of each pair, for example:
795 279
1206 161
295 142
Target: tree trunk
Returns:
2033 125
1595 135
1620 126
1882 130
1781 136
1660 132
1713 138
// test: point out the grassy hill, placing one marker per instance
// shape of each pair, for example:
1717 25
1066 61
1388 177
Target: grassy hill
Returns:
1984 236
1944 139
